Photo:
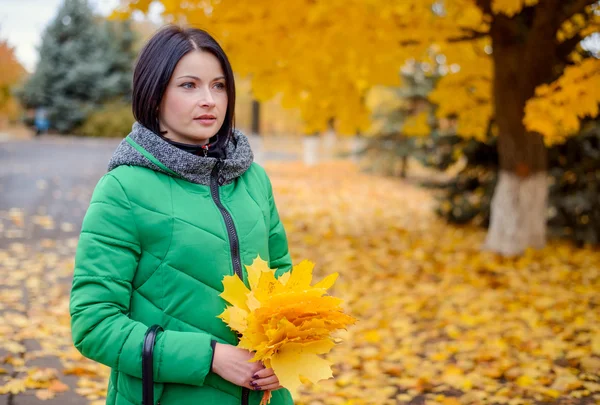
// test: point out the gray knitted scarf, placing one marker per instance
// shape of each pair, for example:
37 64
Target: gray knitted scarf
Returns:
194 168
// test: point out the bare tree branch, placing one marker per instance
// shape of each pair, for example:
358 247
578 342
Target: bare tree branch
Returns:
469 35
485 5
566 47
574 7
408 42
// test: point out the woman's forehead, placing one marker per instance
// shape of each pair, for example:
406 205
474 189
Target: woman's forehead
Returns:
201 64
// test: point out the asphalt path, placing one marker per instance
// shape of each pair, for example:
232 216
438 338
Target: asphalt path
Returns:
45 187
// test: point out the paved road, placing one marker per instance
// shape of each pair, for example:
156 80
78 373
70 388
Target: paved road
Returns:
49 178
45 187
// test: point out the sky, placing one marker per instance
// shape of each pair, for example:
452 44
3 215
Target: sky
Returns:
23 21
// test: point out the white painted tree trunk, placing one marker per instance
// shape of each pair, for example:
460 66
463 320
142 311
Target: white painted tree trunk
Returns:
329 144
256 143
358 143
518 214
311 150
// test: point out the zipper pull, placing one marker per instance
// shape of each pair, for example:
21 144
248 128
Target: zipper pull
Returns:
218 166
217 172
221 177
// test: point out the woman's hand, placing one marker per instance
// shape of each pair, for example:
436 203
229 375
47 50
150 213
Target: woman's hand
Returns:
267 380
232 364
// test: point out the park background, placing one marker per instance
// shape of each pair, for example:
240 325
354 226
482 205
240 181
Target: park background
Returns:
442 156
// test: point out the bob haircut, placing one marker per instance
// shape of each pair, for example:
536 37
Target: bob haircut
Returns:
154 68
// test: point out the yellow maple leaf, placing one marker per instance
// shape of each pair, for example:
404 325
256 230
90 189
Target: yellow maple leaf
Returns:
327 282
301 276
58 386
255 270
596 345
525 381
283 279
44 394
234 291
13 386
253 302
236 318
297 359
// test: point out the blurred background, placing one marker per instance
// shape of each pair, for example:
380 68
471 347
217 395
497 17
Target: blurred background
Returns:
442 155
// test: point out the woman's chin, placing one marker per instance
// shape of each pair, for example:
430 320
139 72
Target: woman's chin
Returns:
204 131
201 140
200 136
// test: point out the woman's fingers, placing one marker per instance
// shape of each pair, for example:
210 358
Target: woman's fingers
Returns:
264 382
271 387
263 373
264 379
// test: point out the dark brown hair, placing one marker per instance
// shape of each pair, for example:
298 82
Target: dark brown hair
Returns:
156 63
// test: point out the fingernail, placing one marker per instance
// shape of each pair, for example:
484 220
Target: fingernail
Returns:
255 376
256 388
252 383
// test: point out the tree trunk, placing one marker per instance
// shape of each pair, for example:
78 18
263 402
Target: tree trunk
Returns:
522 61
330 143
255 117
257 140
357 145
519 204
404 167
311 149
518 217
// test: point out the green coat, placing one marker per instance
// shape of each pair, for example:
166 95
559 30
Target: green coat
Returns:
154 248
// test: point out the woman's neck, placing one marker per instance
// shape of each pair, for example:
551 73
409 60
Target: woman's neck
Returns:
208 150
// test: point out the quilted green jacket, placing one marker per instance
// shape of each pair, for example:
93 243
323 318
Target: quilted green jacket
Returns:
162 230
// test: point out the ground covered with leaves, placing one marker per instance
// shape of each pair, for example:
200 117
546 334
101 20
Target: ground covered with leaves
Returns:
439 321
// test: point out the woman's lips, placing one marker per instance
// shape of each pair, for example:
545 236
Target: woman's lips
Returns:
206 121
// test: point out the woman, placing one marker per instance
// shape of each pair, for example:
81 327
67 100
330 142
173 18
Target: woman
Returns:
182 206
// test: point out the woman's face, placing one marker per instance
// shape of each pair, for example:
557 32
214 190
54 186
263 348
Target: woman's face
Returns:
194 104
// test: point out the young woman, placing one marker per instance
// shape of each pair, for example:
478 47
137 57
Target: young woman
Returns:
182 206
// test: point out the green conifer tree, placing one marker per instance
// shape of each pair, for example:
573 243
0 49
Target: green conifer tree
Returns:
84 62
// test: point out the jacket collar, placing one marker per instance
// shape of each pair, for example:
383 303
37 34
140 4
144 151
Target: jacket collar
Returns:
144 148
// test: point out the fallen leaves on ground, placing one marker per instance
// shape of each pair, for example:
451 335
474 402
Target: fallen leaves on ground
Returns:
35 324
439 321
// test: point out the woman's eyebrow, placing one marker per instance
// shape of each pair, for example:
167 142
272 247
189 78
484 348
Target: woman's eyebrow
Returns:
190 76
197 78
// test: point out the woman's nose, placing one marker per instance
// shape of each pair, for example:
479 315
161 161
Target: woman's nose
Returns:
206 99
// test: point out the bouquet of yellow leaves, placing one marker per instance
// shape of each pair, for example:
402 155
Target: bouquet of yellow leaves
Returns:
285 321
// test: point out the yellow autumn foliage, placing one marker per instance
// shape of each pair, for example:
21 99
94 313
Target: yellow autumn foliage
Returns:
557 109
417 125
511 7
285 321
11 72
323 57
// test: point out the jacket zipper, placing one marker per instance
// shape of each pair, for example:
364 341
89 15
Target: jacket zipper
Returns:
234 243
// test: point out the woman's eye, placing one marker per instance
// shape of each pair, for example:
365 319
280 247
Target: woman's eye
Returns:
188 85
220 86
